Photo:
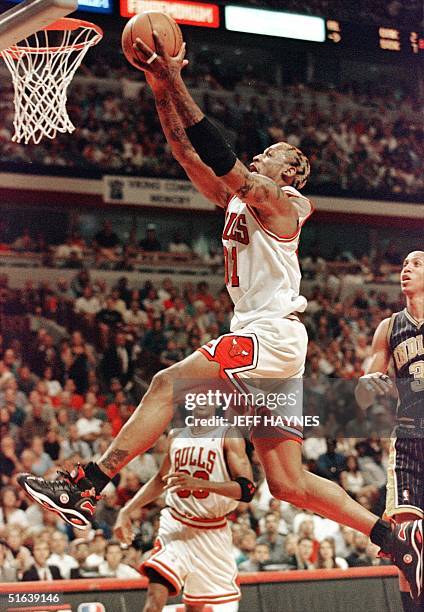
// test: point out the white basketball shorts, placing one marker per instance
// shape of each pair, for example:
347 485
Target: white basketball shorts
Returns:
198 561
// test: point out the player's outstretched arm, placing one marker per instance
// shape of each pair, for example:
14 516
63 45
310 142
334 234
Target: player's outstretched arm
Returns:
375 382
212 149
148 493
199 173
183 151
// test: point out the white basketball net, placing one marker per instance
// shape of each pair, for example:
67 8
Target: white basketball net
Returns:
41 74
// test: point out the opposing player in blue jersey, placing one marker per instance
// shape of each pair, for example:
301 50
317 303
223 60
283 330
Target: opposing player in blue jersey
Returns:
400 338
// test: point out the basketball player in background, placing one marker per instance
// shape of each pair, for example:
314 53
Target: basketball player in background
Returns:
264 214
400 338
193 550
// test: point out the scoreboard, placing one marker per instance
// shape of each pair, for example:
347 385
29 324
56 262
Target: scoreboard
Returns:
374 38
328 32
248 20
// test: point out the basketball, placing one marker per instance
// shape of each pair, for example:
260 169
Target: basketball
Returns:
142 26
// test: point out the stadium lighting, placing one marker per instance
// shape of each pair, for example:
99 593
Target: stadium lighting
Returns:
274 23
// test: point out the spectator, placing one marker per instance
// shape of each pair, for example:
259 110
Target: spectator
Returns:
72 445
272 538
53 386
143 466
107 510
10 513
290 552
117 361
150 243
204 295
24 242
69 252
171 354
304 551
352 479
97 550
7 570
112 566
331 463
257 560
8 461
88 304
26 380
80 280
58 556
136 320
247 545
40 570
106 243
154 340
42 461
52 444
129 487
80 552
327 556
359 426
109 316
178 244
89 427
7 428
359 557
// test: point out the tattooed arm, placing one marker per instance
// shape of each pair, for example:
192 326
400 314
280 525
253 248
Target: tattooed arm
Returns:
199 173
164 74
257 190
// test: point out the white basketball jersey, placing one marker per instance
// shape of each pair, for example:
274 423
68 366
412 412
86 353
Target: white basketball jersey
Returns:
201 456
262 270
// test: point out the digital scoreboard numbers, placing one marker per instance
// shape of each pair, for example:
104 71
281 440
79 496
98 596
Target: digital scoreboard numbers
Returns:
371 38
334 31
389 39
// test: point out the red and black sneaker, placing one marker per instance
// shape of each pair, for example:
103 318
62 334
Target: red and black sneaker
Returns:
407 553
73 497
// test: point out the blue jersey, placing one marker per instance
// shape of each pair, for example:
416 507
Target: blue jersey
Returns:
406 342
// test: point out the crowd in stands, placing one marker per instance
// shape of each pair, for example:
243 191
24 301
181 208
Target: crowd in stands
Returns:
367 140
110 250
106 249
73 361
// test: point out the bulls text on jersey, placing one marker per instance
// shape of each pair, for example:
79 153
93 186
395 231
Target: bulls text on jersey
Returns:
195 456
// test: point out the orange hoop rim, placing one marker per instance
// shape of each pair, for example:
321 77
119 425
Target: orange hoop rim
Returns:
64 24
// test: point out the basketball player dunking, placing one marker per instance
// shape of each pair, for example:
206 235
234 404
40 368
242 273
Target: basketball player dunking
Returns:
201 475
264 216
401 338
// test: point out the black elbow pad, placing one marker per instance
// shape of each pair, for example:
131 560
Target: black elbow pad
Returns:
248 489
211 147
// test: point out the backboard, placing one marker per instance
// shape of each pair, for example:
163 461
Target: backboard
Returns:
30 16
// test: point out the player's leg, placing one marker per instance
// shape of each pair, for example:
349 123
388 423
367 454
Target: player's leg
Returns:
287 480
74 498
190 608
155 411
405 496
157 592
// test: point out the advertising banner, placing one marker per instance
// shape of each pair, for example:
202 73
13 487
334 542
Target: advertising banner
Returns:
187 13
160 193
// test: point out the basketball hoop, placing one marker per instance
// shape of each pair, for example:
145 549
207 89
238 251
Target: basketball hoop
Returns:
42 67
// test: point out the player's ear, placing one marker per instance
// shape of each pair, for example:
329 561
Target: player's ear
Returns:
288 172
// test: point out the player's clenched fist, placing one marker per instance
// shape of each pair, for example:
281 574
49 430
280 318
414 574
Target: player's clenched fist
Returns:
371 386
123 528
